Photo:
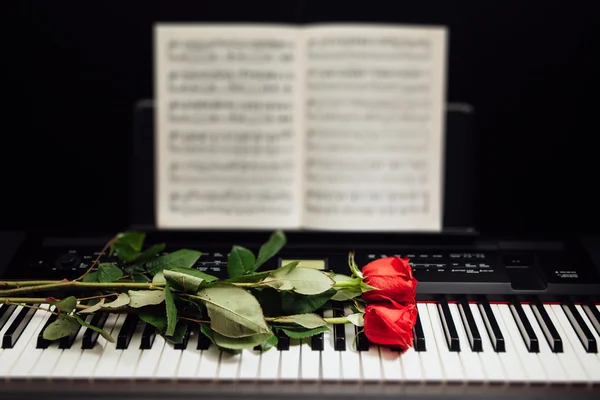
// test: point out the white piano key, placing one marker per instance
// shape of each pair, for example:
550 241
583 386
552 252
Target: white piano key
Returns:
311 361
589 361
269 365
330 357
431 362
91 357
190 358
568 358
471 361
290 362
350 359
548 359
494 370
9 356
453 367
229 366
168 362
25 364
209 363
250 365
530 361
130 357
150 358
110 357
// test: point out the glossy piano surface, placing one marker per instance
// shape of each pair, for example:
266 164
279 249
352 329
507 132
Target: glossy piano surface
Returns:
496 318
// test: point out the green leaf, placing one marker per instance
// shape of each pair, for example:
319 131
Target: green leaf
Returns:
294 303
121 301
357 319
178 259
141 298
234 312
91 277
309 321
188 280
62 327
240 262
301 280
171 311
104 334
135 240
155 317
343 294
240 343
108 272
66 305
275 243
178 333
254 277
301 333
353 267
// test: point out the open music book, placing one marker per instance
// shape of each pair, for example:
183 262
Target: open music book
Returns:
333 127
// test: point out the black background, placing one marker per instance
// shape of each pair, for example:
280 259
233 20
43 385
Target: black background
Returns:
76 69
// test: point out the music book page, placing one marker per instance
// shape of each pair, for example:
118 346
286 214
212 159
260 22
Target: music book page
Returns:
330 127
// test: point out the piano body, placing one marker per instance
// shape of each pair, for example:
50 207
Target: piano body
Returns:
498 316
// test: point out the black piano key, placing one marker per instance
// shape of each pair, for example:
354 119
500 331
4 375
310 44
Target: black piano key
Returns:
339 332
471 329
6 311
547 326
148 336
41 342
15 330
527 333
362 343
186 338
283 341
127 330
581 329
448 325
491 325
90 336
203 342
593 315
419 336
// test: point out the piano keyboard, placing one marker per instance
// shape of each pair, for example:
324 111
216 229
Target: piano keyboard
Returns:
455 341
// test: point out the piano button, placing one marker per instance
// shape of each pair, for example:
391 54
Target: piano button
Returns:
471 361
472 333
24 364
529 361
449 328
453 368
547 327
527 333
149 359
350 359
26 339
494 371
283 341
131 357
290 362
419 336
6 311
190 357
433 370
585 336
330 357
311 361
339 332
593 315
126 332
491 326
16 329
110 357
362 343
90 358
551 362
203 342
41 342
148 336
186 338
578 361
90 336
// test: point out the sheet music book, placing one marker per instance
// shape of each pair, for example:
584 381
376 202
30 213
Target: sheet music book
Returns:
328 127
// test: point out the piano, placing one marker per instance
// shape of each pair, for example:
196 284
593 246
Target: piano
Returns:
499 317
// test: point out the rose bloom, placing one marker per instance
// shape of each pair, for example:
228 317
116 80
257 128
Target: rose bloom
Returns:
390 324
394 279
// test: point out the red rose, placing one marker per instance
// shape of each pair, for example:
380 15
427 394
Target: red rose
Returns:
390 324
394 279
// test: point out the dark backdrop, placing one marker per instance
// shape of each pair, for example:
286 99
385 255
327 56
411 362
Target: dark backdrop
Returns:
528 67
